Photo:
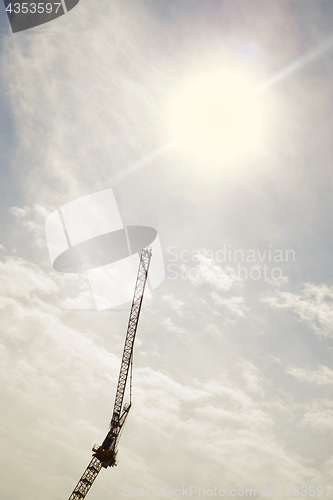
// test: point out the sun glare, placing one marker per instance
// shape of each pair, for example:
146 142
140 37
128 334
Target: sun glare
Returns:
217 118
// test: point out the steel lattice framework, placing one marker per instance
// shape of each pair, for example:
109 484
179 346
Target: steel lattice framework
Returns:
87 479
130 336
106 454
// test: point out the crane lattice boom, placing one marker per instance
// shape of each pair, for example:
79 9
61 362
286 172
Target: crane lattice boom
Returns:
106 454
130 336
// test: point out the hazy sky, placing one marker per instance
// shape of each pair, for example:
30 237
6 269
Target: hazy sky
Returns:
233 368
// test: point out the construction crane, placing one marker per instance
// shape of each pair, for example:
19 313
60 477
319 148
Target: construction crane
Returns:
106 454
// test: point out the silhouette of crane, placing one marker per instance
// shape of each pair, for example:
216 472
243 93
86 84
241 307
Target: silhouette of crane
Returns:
106 454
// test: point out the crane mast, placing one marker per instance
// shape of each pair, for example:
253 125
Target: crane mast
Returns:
106 454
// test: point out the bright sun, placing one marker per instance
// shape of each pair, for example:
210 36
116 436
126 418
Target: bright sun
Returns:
217 118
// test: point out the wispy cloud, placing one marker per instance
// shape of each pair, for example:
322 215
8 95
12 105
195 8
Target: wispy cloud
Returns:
318 415
32 219
322 376
235 304
174 303
207 271
313 306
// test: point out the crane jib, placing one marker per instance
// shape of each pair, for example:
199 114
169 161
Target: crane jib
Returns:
106 454
130 336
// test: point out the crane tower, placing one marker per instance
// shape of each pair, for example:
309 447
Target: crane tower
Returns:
105 455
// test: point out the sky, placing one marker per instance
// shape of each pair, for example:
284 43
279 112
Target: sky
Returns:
233 372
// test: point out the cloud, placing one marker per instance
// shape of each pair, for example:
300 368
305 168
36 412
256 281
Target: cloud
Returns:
322 376
32 219
204 270
64 378
235 304
171 327
220 424
313 306
174 303
22 279
48 368
318 415
83 101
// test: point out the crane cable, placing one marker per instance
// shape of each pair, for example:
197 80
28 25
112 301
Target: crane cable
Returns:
131 377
